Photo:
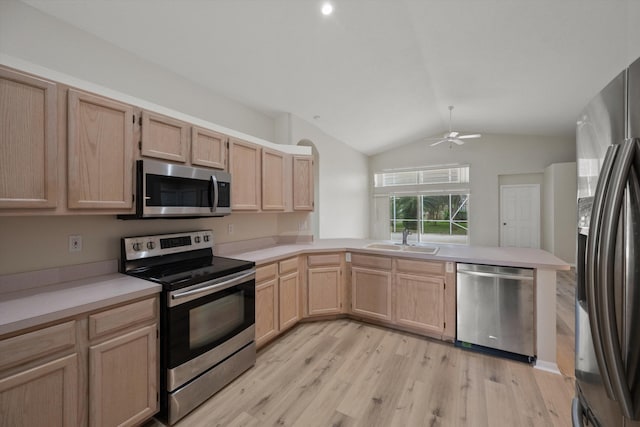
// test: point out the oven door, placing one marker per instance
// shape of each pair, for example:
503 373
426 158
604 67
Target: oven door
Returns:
205 323
170 190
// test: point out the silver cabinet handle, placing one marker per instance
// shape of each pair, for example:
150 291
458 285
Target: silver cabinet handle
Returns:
214 192
609 233
592 253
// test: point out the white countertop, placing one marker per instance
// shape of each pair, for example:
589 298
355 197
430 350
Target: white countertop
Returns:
511 257
35 306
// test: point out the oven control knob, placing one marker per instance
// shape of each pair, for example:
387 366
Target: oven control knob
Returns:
206 238
151 245
197 239
137 246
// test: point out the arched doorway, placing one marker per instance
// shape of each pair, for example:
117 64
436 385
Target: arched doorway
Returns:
314 217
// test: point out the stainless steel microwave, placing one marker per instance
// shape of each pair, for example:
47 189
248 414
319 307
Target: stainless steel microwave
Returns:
167 190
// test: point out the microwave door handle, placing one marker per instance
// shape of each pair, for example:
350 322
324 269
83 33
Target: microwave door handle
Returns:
609 235
591 267
214 193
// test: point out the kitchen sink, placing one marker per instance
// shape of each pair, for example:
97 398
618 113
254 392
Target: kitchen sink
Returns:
384 246
430 250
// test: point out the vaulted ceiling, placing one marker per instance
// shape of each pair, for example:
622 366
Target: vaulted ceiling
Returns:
380 73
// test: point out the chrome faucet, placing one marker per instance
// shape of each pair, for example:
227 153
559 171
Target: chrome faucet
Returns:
405 234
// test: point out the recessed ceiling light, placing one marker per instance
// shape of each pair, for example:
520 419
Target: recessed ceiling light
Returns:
327 9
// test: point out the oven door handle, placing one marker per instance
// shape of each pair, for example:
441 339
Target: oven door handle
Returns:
210 287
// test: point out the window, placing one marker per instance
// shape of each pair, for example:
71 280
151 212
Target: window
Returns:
432 203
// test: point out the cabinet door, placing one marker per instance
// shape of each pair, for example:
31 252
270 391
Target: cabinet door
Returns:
46 395
100 157
266 311
302 183
244 166
323 292
371 293
123 375
208 148
420 302
28 142
289 300
164 137
273 177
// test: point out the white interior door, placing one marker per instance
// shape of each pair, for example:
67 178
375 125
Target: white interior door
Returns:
520 215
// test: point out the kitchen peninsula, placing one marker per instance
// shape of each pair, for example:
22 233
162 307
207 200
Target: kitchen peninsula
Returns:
380 262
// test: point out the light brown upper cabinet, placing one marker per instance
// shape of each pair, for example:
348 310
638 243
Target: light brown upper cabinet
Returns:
100 152
273 180
208 148
302 183
164 137
244 166
28 141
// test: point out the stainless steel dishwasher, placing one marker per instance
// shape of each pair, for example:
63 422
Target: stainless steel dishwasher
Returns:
495 311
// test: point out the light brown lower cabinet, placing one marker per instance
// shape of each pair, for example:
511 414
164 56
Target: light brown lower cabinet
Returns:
324 284
112 354
266 310
44 395
371 286
420 302
425 297
288 294
123 378
277 299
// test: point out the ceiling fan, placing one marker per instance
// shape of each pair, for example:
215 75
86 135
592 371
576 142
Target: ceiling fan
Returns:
452 136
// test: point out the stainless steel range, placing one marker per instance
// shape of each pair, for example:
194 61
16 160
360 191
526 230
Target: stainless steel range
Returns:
207 315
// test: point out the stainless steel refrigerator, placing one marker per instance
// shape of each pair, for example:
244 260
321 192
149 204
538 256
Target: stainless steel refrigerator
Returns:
608 264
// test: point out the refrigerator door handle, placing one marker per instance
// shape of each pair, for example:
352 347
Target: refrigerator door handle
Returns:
576 413
608 237
591 267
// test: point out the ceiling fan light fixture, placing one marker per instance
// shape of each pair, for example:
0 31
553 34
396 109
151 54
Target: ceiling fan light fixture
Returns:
453 137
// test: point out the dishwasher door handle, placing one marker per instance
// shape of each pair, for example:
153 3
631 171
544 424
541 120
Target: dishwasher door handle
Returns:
496 275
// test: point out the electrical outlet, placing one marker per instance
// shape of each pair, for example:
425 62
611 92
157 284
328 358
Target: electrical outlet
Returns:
302 225
75 243
230 229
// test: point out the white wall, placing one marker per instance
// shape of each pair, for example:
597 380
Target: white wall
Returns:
343 209
488 157
561 210
35 37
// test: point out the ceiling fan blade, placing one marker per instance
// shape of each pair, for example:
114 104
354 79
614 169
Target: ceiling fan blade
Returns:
475 135
457 141
438 142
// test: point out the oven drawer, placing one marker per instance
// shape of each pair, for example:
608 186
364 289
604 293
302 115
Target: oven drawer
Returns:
119 318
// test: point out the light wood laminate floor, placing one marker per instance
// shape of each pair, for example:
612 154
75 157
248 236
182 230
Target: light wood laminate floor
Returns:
345 373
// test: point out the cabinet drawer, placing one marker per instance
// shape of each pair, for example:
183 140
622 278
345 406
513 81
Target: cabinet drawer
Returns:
30 346
432 268
266 272
121 317
371 261
289 265
325 259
